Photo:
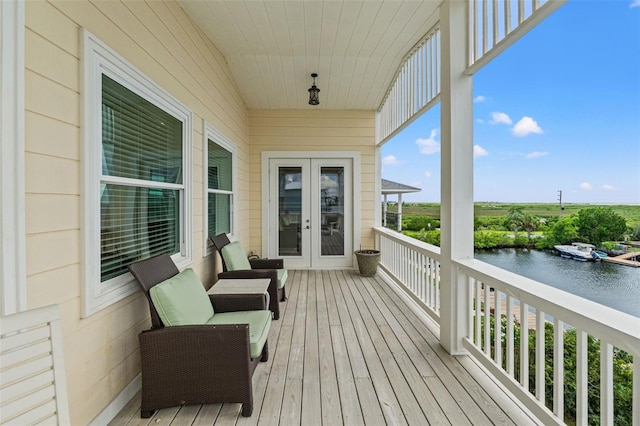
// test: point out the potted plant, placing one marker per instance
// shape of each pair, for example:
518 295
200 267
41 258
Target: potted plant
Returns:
367 261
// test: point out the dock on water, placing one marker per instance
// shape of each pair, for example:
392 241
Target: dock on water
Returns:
628 259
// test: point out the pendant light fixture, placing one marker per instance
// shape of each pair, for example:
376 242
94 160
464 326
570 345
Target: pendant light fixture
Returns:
313 92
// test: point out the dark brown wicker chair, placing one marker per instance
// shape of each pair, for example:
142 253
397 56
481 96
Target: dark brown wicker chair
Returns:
193 364
260 268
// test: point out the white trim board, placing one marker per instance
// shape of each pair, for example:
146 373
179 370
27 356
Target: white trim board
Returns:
118 403
13 292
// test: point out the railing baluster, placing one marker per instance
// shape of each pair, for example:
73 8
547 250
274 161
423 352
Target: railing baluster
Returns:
507 17
524 345
495 24
540 356
606 383
470 306
558 368
487 319
478 315
474 33
437 286
497 329
636 389
510 343
485 27
521 11
434 282
582 366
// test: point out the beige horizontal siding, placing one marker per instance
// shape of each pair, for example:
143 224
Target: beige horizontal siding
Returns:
158 38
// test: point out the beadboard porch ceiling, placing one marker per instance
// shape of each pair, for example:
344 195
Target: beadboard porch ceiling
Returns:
272 47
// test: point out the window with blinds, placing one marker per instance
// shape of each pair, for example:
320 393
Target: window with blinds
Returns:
141 184
219 189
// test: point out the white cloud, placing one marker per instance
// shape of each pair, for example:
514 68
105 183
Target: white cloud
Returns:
586 186
427 173
479 151
607 187
635 3
429 146
526 126
390 160
479 120
500 118
479 99
536 154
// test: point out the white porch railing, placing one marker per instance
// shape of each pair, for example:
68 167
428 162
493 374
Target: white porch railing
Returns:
414 265
573 332
415 88
496 24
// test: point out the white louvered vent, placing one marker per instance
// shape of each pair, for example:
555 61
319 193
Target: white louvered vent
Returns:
32 375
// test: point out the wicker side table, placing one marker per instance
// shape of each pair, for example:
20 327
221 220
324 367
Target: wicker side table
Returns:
228 291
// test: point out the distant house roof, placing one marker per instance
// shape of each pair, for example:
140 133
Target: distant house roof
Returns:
391 187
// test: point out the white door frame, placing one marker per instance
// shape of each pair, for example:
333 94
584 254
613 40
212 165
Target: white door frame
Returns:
354 156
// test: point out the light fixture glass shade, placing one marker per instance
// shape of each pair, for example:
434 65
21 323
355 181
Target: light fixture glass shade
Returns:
313 92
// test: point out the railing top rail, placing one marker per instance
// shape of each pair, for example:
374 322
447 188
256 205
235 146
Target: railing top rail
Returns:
419 246
618 328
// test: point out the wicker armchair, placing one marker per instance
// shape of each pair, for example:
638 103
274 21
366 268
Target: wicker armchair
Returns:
195 364
254 268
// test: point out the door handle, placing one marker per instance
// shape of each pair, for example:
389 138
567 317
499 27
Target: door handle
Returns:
307 227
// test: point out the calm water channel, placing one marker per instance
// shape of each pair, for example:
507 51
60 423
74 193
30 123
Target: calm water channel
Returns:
612 285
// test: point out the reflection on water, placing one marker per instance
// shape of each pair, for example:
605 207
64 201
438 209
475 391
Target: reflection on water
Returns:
612 285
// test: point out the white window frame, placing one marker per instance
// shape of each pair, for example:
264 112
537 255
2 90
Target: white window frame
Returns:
211 133
99 59
13 291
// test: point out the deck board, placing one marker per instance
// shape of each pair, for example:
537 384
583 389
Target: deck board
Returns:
353 350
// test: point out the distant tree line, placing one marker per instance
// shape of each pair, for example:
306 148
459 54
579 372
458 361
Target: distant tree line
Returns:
594 225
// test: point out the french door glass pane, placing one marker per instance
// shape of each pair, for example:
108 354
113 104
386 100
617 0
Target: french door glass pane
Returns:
289 211
332 211
136 223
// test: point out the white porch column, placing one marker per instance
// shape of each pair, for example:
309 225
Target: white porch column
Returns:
456 99
399 224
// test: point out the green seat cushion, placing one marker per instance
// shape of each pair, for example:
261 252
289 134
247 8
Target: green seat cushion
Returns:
182 300
282 277
234 257
259 326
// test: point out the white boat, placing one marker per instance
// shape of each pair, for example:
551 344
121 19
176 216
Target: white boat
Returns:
578 251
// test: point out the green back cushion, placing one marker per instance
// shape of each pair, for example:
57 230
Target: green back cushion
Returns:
235 257
182 300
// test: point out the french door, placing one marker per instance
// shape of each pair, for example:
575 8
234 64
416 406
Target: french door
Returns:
311 212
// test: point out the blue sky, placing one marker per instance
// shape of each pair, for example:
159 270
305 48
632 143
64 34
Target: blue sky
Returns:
558 110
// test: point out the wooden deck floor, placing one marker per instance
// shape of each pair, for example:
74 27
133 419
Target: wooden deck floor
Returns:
350 350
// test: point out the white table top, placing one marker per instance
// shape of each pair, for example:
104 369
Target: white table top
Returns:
240 286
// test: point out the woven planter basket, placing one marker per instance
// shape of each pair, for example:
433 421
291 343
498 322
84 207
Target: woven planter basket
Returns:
368 262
